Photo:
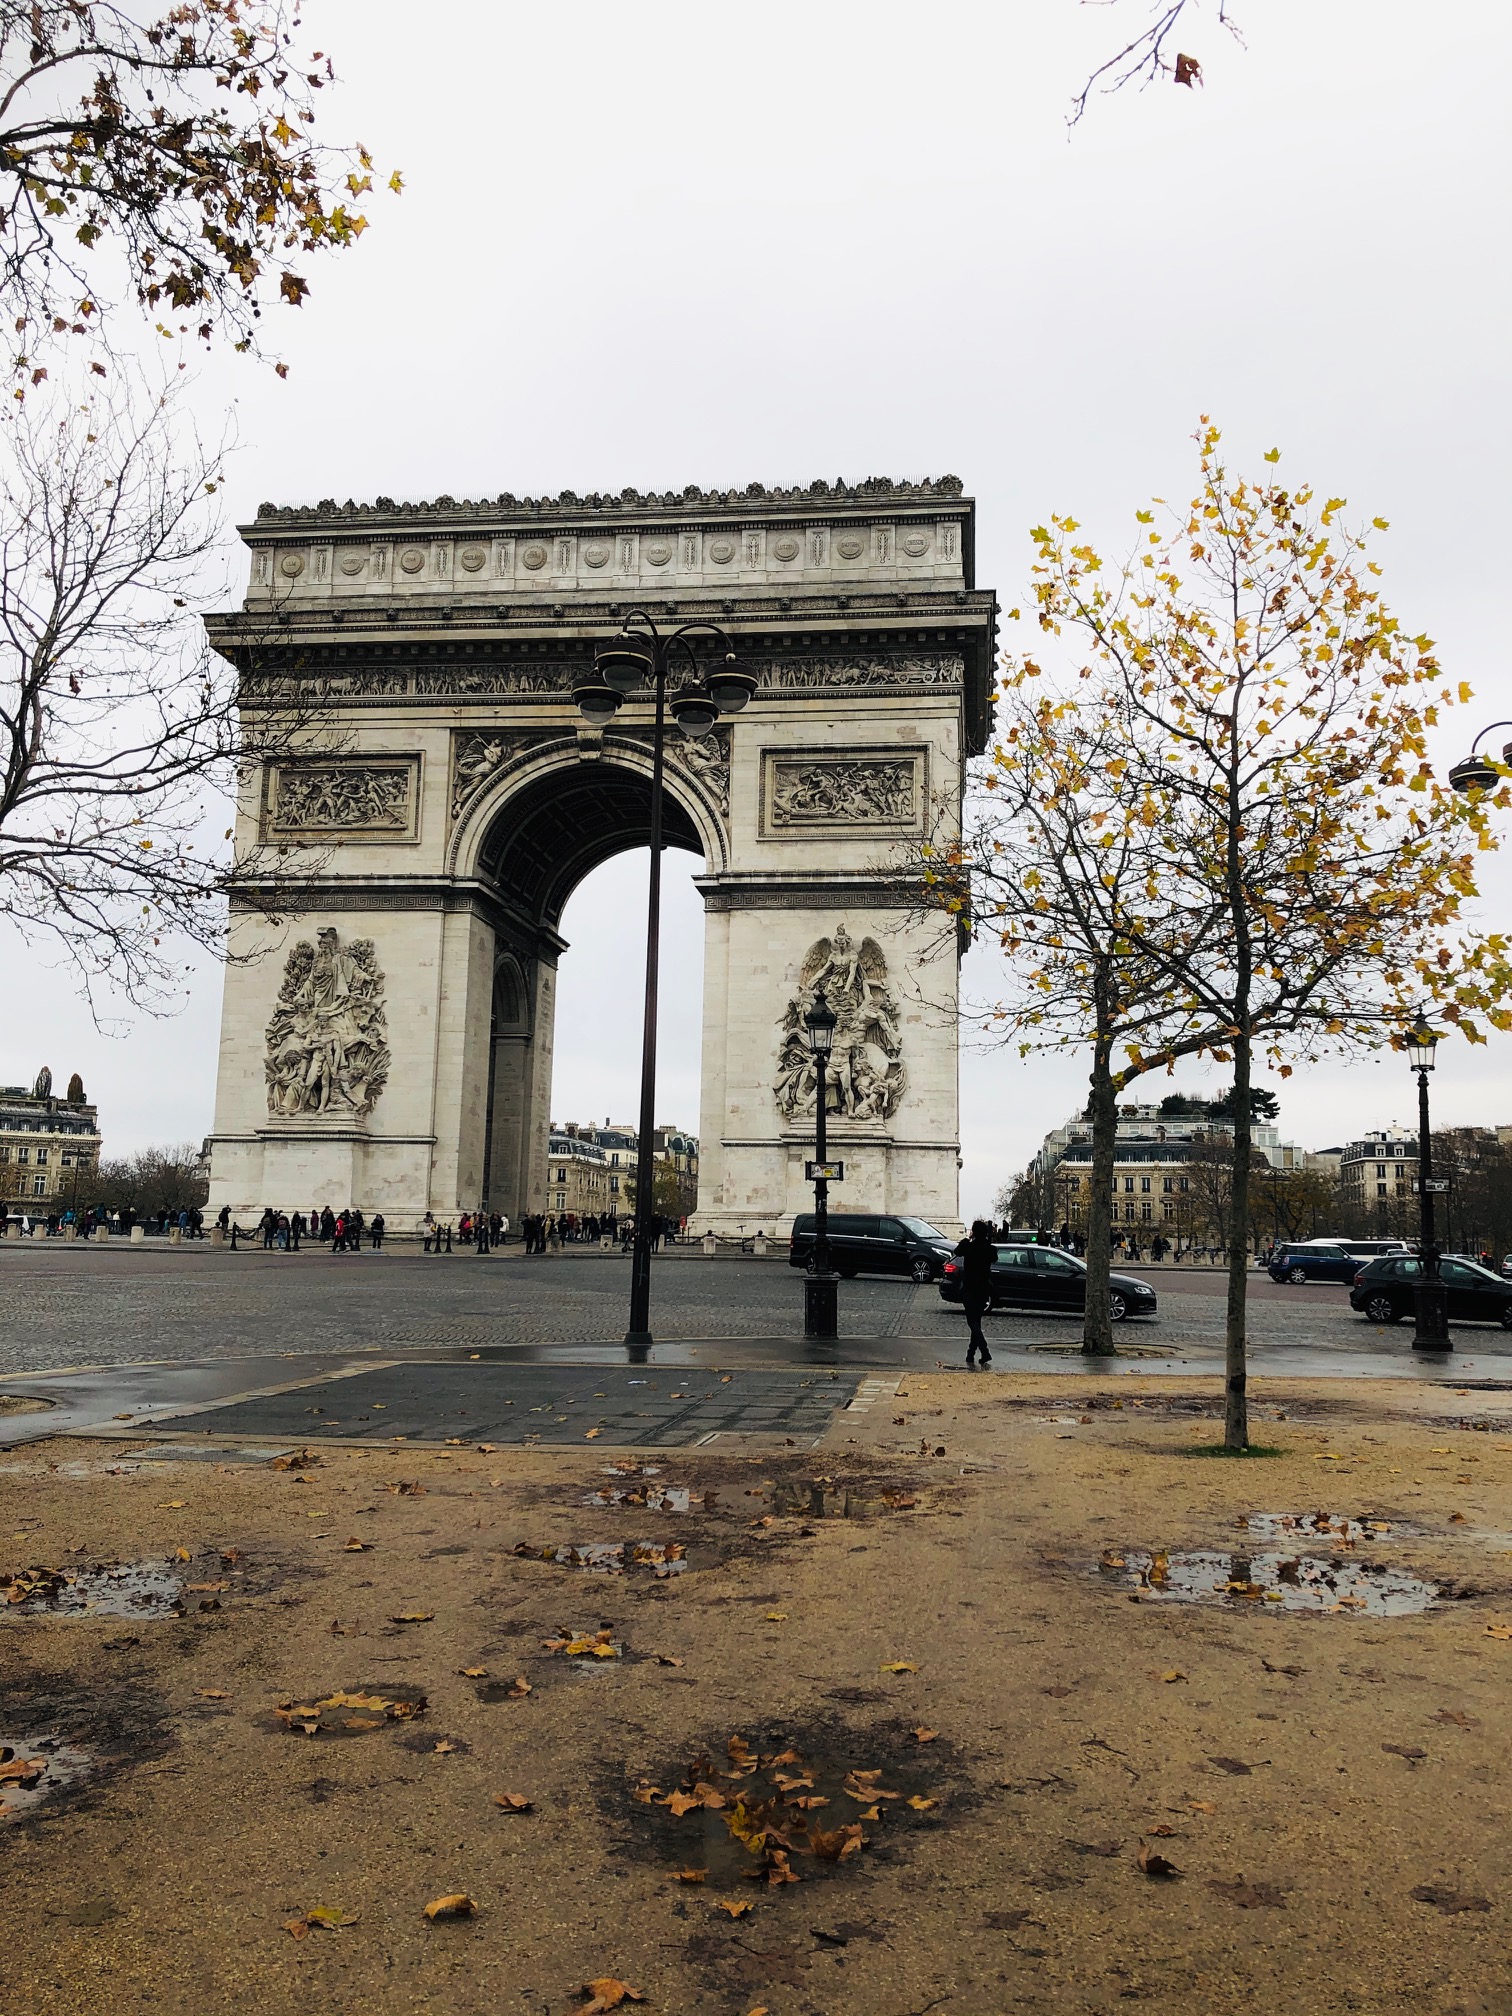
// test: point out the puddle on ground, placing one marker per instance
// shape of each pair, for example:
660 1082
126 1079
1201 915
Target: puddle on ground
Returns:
134 1589
33 1772
1282 1581
24 1403
1336 1527
613 1557
788 1815
654 1497
823 1498
345 1713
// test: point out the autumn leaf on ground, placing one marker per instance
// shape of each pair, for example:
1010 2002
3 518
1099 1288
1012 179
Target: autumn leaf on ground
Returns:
691 1876
775 1617
905 1666
1155 1864
1410 1751
172 1504
212 1693
1447 1900
474 1672
736 1907
923 1735
324 1918
921 1805
593 1434
355 1546
514 1802
413 1617
666 1659
456 1905
679 1803
1170 1675
1202 1806
1458 1717
443 1747
519 1689
607 1993
1499 1630
1248 1896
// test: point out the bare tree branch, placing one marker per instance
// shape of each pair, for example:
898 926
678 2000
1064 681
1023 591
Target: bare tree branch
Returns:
1144 59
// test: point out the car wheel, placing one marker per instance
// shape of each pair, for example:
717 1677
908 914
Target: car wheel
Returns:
1118 1308
1381 1309
1297 1276
848 1273
922 1269
1506 1316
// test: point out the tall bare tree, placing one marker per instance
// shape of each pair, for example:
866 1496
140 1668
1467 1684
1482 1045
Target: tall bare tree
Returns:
120 731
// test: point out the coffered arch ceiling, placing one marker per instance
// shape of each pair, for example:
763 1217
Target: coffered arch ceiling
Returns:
556 830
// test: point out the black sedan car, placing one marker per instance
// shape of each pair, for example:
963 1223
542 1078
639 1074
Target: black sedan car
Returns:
1042 1277
1383 1291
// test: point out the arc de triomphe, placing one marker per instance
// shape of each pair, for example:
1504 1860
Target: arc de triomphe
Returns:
392 1045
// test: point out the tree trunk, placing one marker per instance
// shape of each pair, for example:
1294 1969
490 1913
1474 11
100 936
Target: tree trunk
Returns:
1097 1325
1235 1397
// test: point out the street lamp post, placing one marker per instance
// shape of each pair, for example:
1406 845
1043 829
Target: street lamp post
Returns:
1431 1297
638 657
821 1290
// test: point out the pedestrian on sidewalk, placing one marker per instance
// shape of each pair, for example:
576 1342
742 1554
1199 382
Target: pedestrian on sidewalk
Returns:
976 1255
376 1228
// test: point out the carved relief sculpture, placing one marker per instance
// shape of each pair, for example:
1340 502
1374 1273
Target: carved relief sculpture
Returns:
328 1038
856 793
338 797
478 755
865 1078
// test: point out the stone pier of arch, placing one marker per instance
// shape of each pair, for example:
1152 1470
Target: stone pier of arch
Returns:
391 1044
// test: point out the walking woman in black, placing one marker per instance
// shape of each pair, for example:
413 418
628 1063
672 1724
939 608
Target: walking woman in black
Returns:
976 1256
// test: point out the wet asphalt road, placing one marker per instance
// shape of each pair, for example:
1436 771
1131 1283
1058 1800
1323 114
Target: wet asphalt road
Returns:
75 1305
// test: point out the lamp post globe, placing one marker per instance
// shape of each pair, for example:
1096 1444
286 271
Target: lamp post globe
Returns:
1476 772
597 703
695 712
731 686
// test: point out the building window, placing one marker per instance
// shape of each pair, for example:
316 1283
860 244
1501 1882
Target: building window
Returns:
1128 1182
1166 1183
1144 1182
1144 1212
23 1156
1128 1211
39 1186
1184 1184
1380 1168
41 1158
1380 1189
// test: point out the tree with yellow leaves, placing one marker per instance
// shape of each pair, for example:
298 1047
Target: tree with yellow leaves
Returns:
1057 858
1312 874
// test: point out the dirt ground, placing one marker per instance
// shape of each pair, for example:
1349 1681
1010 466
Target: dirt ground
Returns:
972 1595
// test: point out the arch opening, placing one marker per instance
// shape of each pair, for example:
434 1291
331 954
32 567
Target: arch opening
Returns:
537 849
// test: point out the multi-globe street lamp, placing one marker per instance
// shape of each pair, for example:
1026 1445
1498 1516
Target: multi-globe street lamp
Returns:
1431 1299
1479 773
821 1292
639 657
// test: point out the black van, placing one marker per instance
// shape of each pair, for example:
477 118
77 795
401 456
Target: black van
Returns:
865 1245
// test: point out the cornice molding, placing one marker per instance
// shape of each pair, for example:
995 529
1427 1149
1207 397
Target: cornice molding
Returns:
753 502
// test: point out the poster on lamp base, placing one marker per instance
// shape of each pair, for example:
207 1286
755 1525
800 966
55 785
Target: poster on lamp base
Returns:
826 1172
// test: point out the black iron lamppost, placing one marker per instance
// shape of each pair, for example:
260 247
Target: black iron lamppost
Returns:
821 1290
626 664
1431 1297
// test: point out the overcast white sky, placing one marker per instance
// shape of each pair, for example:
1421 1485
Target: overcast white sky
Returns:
705 243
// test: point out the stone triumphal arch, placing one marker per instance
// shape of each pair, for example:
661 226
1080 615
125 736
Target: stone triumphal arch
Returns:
391 1046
